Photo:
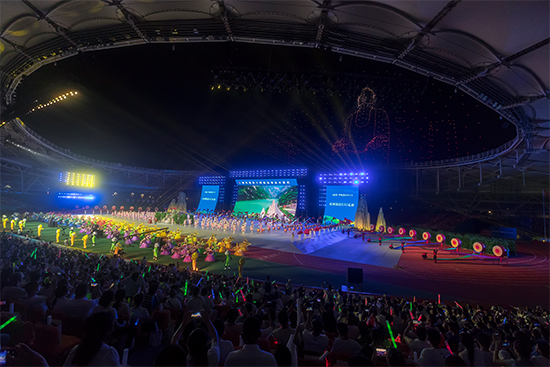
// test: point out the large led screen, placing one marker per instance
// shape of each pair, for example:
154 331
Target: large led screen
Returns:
270 197
209 198
341 203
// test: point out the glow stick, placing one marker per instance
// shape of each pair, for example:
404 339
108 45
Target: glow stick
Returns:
439 299
125 357
97 267
446 344
213 296
200 280
185 290
391 334
246 280
458 304
8 322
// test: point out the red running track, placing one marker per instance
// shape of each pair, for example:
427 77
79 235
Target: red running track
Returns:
524 281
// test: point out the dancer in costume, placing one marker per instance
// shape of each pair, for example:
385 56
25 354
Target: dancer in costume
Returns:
72 234
210 255
85 240
5 221
227 260
93 238
241 264
39 230
57 234
195 256
12 223
156 251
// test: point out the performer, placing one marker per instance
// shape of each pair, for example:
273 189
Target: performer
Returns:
21 225
227 260
194 257
39 230
57 234
156 251
241 264
85 240
12 223
435 256
5 221
379 240
113 244
72 234
402 247
93 238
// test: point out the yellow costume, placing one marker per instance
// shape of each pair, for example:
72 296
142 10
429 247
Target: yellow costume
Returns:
57 234
73 237
194 257
12 224
5 222
241 264
39 230
21 225
85 240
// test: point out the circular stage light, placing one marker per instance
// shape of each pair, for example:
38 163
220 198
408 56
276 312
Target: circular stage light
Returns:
381 229
391 230
372 227
440 238
478 247
402 231
456 243
426 236
412 234
498 251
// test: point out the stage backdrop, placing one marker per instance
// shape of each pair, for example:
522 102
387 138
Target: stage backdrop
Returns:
209 198
273 197
341 203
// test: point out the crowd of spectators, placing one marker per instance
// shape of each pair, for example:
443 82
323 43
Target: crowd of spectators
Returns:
81 309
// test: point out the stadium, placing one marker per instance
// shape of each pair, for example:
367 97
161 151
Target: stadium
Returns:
376 168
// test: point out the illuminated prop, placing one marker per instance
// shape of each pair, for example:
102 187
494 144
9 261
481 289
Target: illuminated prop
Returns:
498 251
391 230
478 247
426 236
367 130
402 231
456 243
77 179
412 234
362 216
440 238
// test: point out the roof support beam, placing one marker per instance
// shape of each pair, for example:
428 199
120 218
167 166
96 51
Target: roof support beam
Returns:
322 22
428 27
225 18
130 20
58 29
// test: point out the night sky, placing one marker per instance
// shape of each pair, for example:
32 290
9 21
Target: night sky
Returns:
153 106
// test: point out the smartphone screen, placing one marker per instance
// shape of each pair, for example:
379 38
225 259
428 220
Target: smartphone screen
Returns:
380 352
197 314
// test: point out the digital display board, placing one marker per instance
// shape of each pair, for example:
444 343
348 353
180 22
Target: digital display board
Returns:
75 196
77 179
341 203
209 198
273 197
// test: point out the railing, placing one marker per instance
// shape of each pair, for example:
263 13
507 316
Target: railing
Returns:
66 152
475 158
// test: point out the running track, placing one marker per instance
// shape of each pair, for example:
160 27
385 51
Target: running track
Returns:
524 281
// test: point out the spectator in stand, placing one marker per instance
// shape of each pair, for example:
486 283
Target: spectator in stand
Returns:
200 354
12 291
92 351
250 354
416 340
104 306
344 348
226 346
233 329
138 312
35 305
133 284
314 341
196 303
394 357
433 356
329 321
282 355
283 333
173 303
471 355
80 306
151 299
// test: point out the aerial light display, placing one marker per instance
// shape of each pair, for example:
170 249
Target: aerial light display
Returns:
77 179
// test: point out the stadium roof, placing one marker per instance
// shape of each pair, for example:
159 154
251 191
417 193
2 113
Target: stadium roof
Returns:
496 51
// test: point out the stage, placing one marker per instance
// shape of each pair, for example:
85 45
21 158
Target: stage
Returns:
326 258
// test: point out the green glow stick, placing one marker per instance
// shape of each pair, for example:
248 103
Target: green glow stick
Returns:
97 267
391 334
185 290
8 322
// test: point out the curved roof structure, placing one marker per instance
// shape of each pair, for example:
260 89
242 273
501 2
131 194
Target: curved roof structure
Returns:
495 51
